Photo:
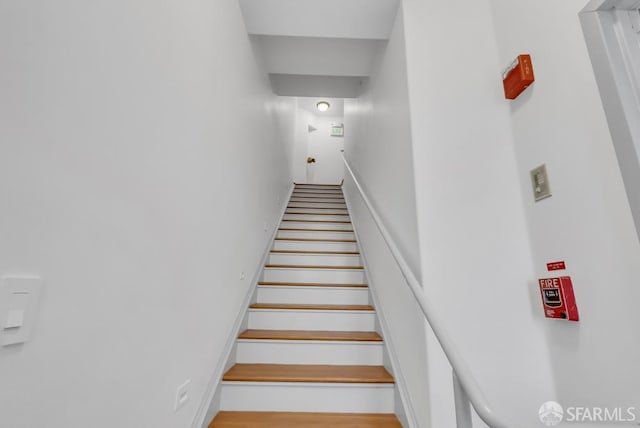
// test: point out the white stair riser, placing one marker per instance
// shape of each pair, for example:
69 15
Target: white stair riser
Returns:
312 190
309 352
293 204
314 295
315 234
333 276
316 201
314 259
333 211
315 210
318 198
316 225
316 217
317 193
319 204
272 319
303 397
314 246
319 188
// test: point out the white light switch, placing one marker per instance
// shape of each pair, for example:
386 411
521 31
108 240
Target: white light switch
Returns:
182 395
15 319
19 301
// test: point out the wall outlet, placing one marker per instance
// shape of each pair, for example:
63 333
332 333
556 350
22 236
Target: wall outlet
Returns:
182 395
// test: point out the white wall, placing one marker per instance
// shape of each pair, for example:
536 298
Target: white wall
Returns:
286 110
587 221
138 163
379 144
476 260
378 147
483 239
404 327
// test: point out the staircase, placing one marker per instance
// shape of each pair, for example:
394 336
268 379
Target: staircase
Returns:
310 356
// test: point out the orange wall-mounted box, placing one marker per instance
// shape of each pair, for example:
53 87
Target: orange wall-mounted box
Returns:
517 77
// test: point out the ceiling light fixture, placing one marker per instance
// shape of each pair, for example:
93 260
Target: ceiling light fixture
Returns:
323 106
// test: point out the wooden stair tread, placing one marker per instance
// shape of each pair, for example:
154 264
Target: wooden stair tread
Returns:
330 191
312 284
317 196
227 419
311 306
318 184
347 336
337 253
317 208
301 189
290 213
313 200
318 221
315 240
322 190
324 196
307 373
279 266
296 229
318 202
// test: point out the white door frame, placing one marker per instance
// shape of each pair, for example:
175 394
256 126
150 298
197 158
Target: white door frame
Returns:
614 49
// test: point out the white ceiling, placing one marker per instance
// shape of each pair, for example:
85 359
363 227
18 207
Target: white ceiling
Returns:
300 85
353 19
319 47
317 56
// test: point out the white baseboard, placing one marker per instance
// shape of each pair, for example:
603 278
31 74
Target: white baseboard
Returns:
208 407
407 417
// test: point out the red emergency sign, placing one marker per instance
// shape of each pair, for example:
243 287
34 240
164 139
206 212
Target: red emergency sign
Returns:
558 299
561 265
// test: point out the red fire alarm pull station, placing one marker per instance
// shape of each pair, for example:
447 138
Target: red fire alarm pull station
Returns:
558 299
517 77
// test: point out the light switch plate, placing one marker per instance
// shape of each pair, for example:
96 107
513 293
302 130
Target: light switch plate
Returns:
182 395
540 183
19 302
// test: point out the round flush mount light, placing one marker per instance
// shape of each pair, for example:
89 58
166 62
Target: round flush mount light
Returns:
323 106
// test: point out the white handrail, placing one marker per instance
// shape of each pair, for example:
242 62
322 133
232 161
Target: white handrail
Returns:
462 372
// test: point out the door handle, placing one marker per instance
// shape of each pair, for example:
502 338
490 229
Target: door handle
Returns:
311 160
